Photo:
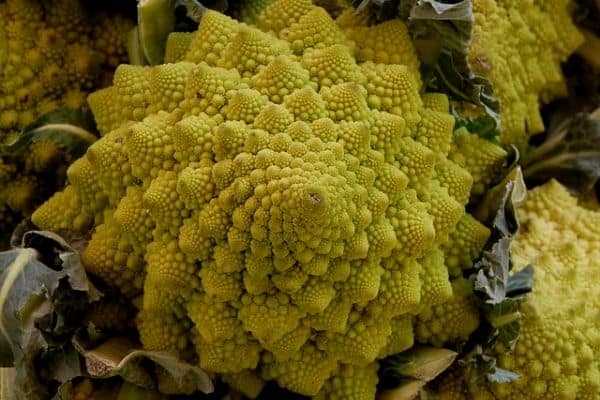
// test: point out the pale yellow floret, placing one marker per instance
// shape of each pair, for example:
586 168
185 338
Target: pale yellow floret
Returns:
215 31
519 47
282 13
452 321
332 65
556 354
178 44
464 244
315 29
481 158
282 76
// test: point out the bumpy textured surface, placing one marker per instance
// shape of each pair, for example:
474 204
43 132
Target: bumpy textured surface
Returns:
282 218
557 352
52 54
518 46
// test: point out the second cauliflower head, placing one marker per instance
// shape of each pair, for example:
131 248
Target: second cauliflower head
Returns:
281 207
52 54
556 355
519 47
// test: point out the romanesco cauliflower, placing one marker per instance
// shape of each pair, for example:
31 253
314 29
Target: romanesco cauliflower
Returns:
518 46
556 355
281 204
52 54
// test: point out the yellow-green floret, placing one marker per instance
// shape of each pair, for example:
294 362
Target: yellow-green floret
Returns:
518 46
279 220
52 54
556 356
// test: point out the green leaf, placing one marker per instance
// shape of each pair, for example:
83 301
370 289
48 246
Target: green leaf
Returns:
482 125
135 52
37 283
420 362
570 153
122 356
441 34
156 19
72 128
404 374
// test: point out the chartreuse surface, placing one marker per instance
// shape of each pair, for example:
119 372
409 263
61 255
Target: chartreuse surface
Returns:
284 201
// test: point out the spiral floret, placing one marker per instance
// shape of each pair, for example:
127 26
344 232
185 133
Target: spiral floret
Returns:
285 221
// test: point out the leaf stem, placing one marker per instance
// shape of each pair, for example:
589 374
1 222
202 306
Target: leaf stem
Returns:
14 270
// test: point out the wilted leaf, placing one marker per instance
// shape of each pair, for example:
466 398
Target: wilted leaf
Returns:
498 208
520 282
590 50
43 292
102 390
502 376
124 357
7 379
479 363
73 129
492 272
402 375
500 291
441 34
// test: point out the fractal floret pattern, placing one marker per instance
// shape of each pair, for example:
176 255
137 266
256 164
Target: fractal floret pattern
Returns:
52 54
518 46
556 356
283 221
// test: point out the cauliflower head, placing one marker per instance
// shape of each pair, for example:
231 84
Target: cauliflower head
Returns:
52 54
556 356
281 205
518 46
